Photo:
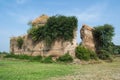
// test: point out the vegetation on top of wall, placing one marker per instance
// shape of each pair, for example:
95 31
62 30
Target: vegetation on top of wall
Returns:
57 28
20 42
37 34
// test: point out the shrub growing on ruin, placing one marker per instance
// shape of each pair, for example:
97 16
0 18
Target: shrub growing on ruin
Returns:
37 34
56 28
20 42
65 58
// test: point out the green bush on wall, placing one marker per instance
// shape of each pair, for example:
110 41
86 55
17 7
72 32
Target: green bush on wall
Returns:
56 28
20 42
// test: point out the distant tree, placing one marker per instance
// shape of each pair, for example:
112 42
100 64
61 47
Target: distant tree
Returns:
117 49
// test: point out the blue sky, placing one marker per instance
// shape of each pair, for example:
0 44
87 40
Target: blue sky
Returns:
15 14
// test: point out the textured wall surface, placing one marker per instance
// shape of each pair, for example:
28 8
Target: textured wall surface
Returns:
34 49
58 48
87 37
31 48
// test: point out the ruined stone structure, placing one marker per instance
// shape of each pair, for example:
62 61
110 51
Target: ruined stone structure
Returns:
59 48
40 21
30 48
87 37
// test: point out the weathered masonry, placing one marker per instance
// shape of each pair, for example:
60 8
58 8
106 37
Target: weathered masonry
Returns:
30 48
59 48
87 37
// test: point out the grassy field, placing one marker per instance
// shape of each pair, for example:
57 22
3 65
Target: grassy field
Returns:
102 71
24 70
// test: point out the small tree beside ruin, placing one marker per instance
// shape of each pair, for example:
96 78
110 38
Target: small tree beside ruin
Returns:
103 37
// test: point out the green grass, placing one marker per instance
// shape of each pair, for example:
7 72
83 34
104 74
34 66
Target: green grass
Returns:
25 70
102 71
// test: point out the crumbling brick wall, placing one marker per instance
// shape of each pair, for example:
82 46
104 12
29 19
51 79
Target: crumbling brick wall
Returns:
87 37
31 48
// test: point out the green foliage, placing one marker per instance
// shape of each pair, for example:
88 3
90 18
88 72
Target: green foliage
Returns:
20 42
104 55
103 36
37 34
25 57
22 57
47 60
61 27
116 49
57 27
84 54
93 55
65 58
